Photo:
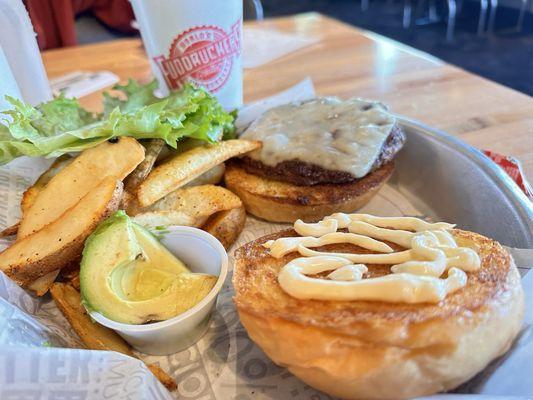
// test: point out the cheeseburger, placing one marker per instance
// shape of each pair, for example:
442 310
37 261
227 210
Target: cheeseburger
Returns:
318 156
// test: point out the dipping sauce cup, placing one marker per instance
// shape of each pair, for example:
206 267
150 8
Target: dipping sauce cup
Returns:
201 252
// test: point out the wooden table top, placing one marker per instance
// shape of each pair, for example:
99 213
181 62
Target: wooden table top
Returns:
350 62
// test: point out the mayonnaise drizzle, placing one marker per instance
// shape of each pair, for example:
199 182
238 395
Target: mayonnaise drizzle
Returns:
409 223
316 230
279 248
416 273
349 273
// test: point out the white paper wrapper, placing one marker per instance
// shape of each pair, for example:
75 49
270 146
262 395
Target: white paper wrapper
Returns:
37 363
303 90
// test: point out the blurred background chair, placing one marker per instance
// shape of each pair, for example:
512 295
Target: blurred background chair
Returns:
524 6
55 21
253 9
484 4
457 32
523 9
453 7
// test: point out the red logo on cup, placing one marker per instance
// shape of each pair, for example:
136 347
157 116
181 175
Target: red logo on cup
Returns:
203 54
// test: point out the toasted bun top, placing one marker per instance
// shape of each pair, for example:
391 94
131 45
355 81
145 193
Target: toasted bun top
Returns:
258 292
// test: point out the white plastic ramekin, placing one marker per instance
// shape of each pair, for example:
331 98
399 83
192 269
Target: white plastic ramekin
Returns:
201 252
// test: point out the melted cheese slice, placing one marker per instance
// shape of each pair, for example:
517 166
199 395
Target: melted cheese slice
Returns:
333 134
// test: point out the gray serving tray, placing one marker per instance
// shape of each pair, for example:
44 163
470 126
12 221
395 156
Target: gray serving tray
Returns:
449 180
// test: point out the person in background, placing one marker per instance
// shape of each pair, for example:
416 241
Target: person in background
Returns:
54 20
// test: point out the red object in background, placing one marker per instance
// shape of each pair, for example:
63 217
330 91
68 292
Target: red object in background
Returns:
512 167
54 20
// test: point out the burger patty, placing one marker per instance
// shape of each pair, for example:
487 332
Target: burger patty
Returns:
306 174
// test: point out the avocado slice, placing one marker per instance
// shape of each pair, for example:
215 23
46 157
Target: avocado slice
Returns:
128 276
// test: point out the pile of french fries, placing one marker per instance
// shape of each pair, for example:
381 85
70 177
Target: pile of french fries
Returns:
155 186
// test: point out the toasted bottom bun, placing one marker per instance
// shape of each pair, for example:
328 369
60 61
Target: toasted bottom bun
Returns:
373 350
278 201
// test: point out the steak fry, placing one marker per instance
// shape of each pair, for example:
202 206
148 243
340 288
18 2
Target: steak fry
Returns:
93 335
184 167
152 150
10 231
29 196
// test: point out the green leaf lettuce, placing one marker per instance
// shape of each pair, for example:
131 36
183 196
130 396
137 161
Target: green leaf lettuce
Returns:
62 126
